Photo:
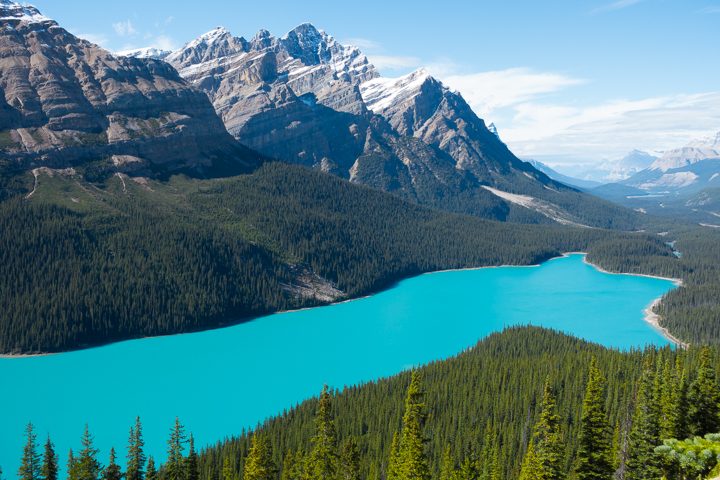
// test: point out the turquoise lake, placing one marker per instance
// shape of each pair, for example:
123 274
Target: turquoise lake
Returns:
220 381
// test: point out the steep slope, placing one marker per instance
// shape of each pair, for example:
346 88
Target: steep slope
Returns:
420 106
306 99
65 101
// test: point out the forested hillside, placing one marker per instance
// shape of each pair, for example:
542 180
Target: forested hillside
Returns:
87 263
484 407
526 403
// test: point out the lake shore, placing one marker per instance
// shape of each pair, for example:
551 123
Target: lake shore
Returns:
650 316
654 322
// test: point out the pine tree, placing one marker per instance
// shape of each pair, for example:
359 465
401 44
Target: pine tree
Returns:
669 397
468 469
531 468
350 460
50 462
259 464
86 464
393 468
228 469
292 468
135 453
174 468
151 472
30 463
323 459
192 469
682 406
489 463
492 472
413 461
704 399
112 471
547 441
642 463
72 472
447 465
594 458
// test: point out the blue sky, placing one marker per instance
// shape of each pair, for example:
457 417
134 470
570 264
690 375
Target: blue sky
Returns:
565 81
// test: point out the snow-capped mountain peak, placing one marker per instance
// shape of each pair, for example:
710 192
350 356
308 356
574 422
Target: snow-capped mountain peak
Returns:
10 10
208 47
380 93
208 38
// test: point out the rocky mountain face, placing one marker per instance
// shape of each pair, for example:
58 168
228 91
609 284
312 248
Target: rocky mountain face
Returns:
305 98
65 101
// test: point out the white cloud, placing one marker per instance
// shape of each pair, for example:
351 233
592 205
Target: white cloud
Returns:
489 91
124 28
525 106
364 44
164 42
613 128
96 38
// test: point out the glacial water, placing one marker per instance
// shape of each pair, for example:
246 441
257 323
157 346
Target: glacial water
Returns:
220 381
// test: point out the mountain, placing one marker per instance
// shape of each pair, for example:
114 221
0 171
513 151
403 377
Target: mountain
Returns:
675 184
608 171
695 151
630 164
567 180
67 102
691 168
305 98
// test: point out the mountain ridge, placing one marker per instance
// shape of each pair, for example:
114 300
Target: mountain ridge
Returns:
66 101
304 98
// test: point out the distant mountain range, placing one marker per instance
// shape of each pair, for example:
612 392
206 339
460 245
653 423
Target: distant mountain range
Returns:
607 171
683 181
566 179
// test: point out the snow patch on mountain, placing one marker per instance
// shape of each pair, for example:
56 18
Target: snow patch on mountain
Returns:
145 52
380 93
10 10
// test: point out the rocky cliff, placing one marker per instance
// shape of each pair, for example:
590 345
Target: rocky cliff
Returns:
65 101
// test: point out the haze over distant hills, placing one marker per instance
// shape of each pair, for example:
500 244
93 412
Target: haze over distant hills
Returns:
683 181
